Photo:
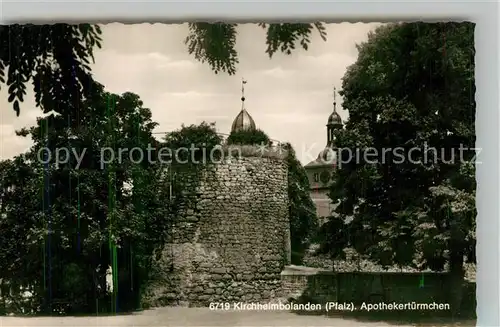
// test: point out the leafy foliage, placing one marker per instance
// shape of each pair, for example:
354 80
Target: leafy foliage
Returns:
53 57
191 143
284 37
56 58
215 43
248 137
19 259
77 212
412 87
302 211
410 97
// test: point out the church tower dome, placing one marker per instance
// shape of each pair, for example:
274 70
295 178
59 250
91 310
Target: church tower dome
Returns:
243 121
334 121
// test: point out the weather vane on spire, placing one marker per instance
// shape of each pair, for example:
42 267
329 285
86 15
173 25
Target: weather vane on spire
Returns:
243 82
334 98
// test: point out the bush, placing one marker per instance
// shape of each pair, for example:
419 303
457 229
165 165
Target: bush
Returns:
249 137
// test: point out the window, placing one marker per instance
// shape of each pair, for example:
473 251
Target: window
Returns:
325 177
316 177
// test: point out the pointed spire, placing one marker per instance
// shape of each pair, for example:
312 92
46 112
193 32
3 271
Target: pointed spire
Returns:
243 82
334 99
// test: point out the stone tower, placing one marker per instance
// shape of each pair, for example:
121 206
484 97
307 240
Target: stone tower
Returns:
230 239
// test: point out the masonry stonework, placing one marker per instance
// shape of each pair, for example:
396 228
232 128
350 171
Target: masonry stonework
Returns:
231 241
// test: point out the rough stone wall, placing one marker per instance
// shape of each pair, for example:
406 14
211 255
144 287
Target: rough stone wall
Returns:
304 284
294 281
230 242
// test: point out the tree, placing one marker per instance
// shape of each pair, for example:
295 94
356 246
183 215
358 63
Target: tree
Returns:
248 137
20 258
412 87
56 57
302 211
87 218
215 43
194 138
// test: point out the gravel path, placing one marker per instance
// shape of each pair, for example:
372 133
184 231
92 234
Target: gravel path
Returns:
190 317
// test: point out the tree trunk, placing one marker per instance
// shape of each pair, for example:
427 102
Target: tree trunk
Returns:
3 298
456 281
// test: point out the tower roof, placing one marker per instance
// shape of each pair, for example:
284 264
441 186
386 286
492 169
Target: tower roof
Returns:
334 118
327 156
243 120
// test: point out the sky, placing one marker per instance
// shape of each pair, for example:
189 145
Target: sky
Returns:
289 96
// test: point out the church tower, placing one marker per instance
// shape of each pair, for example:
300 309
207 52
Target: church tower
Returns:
329 155
320 170
334 122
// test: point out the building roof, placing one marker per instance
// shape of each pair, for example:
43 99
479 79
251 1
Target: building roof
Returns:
243 121
326 158
334 119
